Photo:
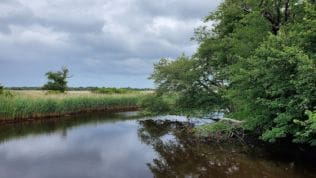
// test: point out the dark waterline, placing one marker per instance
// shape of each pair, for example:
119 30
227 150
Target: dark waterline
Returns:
122 145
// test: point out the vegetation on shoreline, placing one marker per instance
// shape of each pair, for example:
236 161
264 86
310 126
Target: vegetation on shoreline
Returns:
257 65
113 90
19 106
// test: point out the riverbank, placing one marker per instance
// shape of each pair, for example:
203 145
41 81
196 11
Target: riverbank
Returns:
33 105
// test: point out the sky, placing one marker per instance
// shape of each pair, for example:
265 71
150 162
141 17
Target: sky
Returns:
111 43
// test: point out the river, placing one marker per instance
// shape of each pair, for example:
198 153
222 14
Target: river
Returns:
124 145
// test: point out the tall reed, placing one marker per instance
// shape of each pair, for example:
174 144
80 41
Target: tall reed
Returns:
18 106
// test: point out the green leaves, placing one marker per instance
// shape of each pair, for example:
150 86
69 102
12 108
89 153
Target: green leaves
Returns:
307 133
274 134
257 64
57 80
187 78
274 81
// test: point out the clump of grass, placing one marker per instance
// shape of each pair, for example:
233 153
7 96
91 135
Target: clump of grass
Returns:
20 106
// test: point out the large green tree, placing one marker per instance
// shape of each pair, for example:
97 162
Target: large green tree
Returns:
257 63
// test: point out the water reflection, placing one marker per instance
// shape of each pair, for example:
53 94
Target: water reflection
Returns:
61 125
182 156
95 148
118 145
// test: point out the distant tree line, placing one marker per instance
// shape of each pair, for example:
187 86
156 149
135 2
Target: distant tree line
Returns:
79 88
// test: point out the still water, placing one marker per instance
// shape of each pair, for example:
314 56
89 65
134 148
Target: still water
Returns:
123 145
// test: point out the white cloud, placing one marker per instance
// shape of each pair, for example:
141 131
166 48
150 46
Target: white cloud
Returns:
110 37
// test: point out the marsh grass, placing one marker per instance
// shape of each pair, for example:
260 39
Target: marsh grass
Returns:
34 104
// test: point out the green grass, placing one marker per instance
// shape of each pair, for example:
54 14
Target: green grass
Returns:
23 106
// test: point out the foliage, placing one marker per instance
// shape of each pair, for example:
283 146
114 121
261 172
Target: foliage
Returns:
278 84
57 80
113 90
183 77
308 132
257 64
154 105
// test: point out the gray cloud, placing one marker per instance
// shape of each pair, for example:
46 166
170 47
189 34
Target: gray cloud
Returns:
101 41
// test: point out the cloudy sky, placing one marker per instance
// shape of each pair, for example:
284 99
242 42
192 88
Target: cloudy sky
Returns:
102 42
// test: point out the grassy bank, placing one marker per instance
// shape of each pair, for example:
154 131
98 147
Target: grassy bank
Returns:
36 104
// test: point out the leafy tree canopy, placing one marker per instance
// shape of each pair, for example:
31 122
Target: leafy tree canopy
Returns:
257 64
57 80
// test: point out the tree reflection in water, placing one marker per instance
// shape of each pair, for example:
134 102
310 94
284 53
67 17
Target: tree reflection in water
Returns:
180 155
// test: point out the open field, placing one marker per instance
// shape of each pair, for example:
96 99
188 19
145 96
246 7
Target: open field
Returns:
36 104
